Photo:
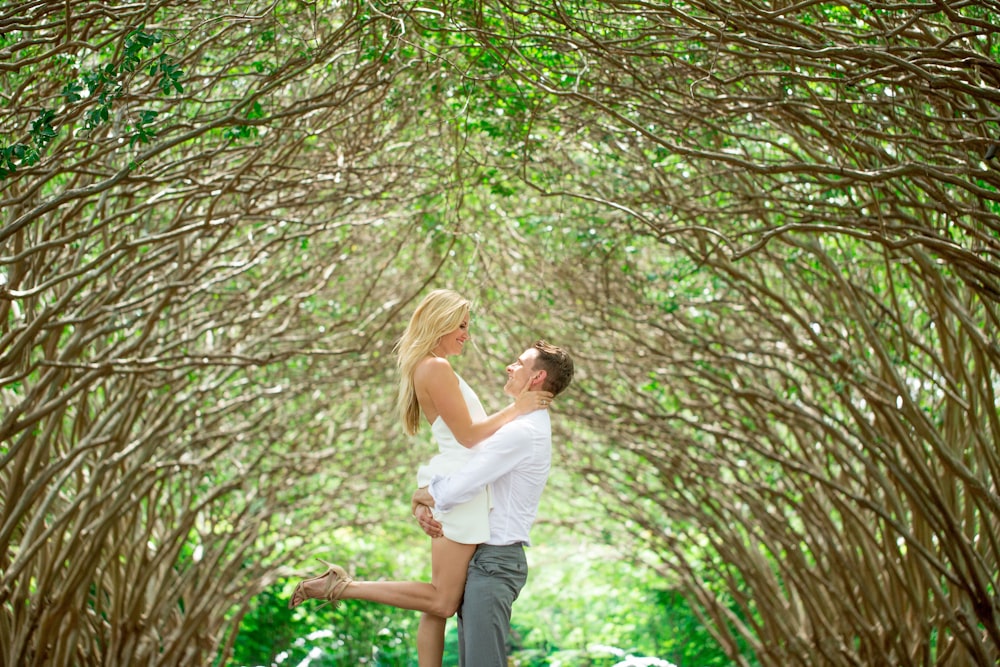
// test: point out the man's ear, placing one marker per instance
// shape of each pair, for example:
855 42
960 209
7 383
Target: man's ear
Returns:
538 379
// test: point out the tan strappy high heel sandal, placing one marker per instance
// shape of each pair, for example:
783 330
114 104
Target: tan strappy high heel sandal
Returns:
337 581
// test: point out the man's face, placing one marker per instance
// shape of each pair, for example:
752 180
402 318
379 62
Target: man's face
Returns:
521 373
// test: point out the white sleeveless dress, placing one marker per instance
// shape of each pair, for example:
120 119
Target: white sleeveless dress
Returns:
468 523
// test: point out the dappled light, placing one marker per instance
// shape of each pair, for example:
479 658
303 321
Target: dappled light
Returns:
769 234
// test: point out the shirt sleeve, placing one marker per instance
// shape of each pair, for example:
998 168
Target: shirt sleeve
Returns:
491 459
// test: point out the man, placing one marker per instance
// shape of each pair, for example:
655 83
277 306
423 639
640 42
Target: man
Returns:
516 462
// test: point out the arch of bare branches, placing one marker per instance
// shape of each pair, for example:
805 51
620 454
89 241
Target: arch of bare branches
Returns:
769 233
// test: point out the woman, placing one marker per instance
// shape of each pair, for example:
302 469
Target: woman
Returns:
439 328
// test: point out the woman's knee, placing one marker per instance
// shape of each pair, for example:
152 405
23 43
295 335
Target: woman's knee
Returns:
445 607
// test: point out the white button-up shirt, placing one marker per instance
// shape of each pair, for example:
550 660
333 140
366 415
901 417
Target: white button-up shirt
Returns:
516 461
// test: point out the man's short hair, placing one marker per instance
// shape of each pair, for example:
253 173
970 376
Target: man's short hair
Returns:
557 364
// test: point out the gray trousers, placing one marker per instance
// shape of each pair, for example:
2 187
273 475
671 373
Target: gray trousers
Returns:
496 577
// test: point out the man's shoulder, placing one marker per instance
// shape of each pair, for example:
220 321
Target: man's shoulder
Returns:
533 422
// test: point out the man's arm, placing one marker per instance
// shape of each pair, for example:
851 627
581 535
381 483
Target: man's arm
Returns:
491 459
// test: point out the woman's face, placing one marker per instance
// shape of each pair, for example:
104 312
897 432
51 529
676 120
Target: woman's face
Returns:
452 342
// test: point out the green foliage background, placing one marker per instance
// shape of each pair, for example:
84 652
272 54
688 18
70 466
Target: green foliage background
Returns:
768 232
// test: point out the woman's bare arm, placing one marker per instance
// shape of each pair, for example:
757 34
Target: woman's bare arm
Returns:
439 394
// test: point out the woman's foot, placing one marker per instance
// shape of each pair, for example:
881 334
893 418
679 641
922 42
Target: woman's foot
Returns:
328 586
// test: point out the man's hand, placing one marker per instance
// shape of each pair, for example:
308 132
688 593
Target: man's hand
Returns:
425 517
421 504
421 497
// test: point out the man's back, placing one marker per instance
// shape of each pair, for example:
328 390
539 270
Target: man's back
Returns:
527 443
515 461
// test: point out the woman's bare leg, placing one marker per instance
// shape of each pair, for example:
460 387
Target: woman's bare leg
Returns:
441 597
449 565
430 640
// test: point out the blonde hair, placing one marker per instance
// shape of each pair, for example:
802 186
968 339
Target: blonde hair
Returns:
441 312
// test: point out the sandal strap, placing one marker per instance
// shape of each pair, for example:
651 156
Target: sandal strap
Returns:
337 582
337 590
